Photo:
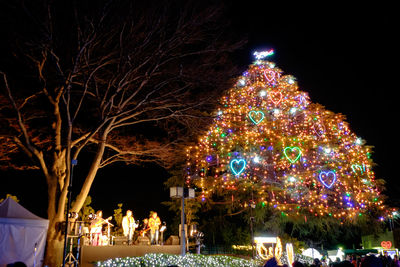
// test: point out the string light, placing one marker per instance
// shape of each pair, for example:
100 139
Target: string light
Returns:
160 259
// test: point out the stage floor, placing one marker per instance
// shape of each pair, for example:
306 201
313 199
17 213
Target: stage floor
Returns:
90 254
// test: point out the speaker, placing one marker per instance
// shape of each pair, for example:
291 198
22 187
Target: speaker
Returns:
121 240
172 240
143 240
85 241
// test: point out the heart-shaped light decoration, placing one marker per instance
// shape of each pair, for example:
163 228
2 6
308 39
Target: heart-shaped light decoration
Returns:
238 166
386 244
269 75
292 153
327 178
256 116
276 97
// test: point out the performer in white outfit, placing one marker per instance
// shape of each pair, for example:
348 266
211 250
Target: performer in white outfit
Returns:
129 225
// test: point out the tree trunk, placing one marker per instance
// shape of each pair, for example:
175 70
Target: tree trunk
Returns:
54 241
54 244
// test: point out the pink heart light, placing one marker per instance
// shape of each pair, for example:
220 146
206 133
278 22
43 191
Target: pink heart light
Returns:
269 75
386 244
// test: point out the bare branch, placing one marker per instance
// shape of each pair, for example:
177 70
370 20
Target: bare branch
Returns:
27 144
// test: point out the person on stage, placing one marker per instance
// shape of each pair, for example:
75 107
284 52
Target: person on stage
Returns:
154 225
129 226
145 228
96 227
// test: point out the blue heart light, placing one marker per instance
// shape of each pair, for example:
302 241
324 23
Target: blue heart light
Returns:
238 166
325 174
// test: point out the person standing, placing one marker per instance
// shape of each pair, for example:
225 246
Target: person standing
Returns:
395 262
96 229
154 225
129 226
145 228
323 262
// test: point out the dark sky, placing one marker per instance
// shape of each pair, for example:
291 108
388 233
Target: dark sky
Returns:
344 57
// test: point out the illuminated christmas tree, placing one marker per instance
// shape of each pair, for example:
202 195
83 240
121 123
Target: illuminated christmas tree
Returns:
270 144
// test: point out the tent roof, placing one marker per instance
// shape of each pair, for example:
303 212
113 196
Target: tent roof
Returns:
11 209
333 252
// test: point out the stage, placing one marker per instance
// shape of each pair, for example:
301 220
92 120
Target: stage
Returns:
90 254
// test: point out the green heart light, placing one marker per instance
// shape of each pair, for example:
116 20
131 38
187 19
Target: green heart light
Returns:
288 152
256 116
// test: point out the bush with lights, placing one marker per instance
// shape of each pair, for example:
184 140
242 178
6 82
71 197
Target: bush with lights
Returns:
189 260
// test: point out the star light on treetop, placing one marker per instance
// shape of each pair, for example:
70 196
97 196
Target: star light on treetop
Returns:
263 54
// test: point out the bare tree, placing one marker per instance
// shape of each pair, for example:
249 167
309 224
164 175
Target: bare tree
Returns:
122 79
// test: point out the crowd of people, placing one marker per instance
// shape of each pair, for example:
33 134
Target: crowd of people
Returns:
350 261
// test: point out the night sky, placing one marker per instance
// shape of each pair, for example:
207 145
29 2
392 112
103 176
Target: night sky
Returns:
344 57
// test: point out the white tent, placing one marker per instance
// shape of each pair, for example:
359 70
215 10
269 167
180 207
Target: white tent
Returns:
312 253
22 235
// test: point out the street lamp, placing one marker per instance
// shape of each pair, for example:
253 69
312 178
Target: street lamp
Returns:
182 193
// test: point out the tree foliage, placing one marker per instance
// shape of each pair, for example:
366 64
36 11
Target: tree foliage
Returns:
86 209
15 198
118 215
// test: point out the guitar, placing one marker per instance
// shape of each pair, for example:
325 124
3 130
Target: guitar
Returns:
142 232
101 222
106 220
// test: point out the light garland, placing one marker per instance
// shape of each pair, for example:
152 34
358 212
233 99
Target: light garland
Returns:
270 135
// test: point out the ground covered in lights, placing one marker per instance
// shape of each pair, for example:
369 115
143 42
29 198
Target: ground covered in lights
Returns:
189 260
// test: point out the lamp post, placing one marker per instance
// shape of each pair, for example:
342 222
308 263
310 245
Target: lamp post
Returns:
182 193
252 206
252 232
